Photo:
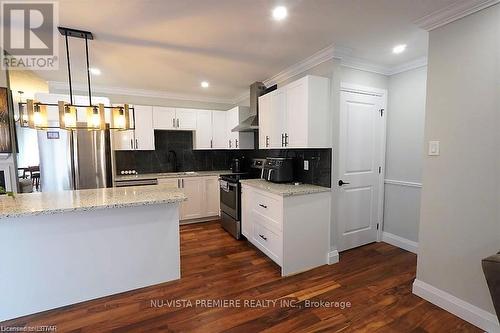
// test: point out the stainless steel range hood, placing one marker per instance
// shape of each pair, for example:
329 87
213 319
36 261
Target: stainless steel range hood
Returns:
252 122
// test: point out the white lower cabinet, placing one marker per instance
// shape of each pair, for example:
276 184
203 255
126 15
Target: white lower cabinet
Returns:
202 196
291 230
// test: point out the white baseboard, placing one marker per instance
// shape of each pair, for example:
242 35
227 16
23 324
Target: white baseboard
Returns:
468 312
400 242
333 257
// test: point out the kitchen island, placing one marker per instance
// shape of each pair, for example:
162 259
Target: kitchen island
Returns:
66 247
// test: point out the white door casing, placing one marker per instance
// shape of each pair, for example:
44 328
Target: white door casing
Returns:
360 165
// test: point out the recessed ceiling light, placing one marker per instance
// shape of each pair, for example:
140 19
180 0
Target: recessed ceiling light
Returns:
95 71
205 84
399 48
280 13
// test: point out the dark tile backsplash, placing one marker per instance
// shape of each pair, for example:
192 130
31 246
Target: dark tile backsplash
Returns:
174 152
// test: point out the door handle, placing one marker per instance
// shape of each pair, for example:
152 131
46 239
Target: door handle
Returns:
178 122
173 122
229 143
211 143
267 140
136 144
341 182
262 236
131 143
286 139
263 206
178 183
182 182
282 139
236 143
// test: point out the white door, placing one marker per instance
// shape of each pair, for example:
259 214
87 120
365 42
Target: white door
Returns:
297 115
265 109
169 182
193 188
144 133
232 122
360 164
219 130
212 196
186 119
123 140
163 118
278 119
203 133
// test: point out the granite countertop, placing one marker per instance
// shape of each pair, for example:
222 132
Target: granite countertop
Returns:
30 204
171 175
285 190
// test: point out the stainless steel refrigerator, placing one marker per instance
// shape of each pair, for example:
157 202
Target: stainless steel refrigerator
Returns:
74 160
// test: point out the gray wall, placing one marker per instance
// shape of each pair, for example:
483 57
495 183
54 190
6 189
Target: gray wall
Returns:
459 217
404 152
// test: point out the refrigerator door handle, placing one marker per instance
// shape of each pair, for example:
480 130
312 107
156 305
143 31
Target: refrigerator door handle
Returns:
74 161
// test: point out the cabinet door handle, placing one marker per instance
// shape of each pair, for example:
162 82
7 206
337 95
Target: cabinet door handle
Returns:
182 180
286 139
263 206
229 143
178 122
282 139
178 183
173 122
262 236
236 142
131 143
211 143
267 140
136 144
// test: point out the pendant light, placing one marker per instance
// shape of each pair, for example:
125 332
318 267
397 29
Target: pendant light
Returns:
34 114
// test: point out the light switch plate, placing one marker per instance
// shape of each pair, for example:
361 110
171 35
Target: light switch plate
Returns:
306 165
433 148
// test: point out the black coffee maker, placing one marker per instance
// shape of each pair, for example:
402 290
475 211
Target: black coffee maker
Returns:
236 165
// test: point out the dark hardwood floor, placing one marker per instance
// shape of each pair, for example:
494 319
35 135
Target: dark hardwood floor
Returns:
376 279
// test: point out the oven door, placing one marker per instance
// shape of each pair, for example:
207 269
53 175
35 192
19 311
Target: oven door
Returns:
230 199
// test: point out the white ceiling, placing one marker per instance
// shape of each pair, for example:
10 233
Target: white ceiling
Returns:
172 45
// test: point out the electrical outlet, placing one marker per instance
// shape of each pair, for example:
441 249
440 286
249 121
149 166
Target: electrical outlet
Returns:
434 148
306 165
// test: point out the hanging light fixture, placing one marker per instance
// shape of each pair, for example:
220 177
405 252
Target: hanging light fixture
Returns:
120 117
67 116
34 114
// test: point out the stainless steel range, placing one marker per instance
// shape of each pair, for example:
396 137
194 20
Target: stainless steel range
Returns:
230 197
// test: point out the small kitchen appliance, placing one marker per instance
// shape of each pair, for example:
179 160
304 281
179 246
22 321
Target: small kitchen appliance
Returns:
278 170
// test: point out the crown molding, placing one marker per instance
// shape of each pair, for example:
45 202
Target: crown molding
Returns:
453 12
56 85
408 66
302 66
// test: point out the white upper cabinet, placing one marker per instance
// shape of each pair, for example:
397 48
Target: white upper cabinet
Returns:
265 109
203 133
144 134
142 138
220 135
298 115
238 140
164 118
186 119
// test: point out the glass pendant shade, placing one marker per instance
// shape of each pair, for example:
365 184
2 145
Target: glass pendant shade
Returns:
67 116
37 114
95 117
120 118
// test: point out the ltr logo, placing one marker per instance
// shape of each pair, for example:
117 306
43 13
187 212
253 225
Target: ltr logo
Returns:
29 35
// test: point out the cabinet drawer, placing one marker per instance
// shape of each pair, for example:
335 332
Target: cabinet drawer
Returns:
269 207
268 242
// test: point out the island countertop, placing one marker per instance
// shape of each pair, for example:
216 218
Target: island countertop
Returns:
30 204
284 190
